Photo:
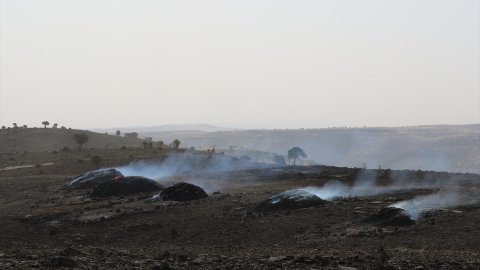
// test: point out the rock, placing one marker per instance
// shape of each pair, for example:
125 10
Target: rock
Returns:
183 192
391 216
290 200
125 186
93 178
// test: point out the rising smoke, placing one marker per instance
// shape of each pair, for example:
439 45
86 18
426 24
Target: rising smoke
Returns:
454 190
196 168
442 199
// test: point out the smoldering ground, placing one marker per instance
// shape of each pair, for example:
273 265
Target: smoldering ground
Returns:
450 190
191 167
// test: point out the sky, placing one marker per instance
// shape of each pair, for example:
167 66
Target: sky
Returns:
244 64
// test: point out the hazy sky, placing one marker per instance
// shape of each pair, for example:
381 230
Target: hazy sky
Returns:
240 63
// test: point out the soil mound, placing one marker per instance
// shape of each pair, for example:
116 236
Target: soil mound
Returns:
290 200
183 192
391 216
125 186
93 178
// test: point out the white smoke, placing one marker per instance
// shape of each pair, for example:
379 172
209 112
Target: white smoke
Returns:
442 199
365 185
192 168
454 190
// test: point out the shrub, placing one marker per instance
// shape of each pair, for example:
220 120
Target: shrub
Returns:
96 160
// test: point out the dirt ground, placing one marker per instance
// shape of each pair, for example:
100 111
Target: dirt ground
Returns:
43 226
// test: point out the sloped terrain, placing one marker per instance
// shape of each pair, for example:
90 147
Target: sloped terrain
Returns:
43 226
50 139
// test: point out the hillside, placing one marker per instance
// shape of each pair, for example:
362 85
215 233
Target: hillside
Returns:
41 139
442 147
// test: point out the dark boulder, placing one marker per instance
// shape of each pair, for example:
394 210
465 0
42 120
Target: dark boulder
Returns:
183 192
391 216
125 186
290 200
93 178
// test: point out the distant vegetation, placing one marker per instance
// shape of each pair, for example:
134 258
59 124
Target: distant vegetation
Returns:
176 144
296 153
80 139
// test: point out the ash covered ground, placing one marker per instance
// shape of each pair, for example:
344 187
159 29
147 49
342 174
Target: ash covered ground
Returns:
346 223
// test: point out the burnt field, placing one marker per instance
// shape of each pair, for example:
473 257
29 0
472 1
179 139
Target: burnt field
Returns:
329 218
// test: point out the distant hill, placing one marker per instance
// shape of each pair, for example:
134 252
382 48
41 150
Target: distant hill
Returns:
444 147
49 139
146 131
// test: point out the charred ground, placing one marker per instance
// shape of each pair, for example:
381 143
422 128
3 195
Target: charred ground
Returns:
45 226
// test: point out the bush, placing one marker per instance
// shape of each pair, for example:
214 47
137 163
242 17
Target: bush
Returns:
66 149
79 160
96 160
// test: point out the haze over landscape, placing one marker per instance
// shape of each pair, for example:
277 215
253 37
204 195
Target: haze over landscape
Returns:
267 134
248 64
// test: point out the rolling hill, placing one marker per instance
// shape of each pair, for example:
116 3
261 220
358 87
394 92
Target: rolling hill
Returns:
49 139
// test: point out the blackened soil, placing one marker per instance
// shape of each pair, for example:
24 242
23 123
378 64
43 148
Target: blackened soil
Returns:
43 226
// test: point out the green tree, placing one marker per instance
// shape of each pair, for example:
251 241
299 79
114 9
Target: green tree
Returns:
296 153
80 139
45 123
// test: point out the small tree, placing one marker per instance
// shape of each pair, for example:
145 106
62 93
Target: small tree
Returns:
296 153
176 144
55 125
45 123
80 139
25 126
118 133
15 126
